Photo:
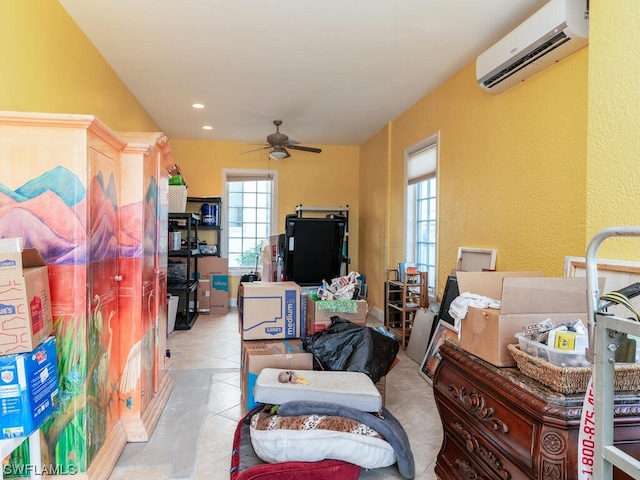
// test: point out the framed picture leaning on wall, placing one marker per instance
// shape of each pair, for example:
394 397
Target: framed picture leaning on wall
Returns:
444 331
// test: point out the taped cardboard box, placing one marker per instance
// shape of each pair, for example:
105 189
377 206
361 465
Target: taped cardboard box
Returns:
259 354
319 313
204 293
216 270
26 318
269 310
526 297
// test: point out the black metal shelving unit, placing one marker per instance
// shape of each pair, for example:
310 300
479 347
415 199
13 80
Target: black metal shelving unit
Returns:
187 289
196 203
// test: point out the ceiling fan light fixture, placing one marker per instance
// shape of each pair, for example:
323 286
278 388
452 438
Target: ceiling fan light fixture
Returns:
278 154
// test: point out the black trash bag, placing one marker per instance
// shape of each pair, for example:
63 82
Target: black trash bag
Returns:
346 346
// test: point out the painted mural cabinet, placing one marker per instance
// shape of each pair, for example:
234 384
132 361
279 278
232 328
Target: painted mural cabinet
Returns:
144 387
62 190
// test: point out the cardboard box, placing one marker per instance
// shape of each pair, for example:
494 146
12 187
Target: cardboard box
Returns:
11 256
219 301
28 389
318 317
276 246
204 293
258 354
269 310
526 297
26 318
216 269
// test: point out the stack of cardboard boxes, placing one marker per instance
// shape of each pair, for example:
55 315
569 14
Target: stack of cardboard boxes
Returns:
28 361
273 319
270 321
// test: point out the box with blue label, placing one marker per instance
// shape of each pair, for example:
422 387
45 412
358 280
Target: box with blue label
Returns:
269 310
219 301
216 270
28 389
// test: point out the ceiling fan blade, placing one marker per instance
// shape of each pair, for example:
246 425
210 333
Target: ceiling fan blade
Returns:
256 149
305 149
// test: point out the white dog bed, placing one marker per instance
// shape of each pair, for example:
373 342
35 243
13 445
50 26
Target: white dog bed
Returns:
351 389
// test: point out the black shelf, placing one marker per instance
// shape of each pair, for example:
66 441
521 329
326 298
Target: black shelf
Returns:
187 289
195 203
184 252
190 286
185 320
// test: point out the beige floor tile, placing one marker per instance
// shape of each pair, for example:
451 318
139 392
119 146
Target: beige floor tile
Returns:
210 352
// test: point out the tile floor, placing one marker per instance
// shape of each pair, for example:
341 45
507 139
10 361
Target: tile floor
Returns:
193 437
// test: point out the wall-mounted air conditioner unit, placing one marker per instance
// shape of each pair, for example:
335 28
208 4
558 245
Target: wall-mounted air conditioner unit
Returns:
558 29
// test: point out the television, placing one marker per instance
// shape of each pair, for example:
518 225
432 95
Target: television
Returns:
313 249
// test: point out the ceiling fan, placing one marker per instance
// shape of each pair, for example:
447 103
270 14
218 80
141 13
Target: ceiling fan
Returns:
278 141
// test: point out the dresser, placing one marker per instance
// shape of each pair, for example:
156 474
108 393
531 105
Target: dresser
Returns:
500 424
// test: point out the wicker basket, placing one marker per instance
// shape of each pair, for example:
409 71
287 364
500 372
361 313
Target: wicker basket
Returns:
571 379
177 198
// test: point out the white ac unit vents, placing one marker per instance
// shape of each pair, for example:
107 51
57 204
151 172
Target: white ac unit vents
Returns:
558 29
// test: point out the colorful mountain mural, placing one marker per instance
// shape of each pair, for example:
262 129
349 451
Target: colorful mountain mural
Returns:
60 180
49 212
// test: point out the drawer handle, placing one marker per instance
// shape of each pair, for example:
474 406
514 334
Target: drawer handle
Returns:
476 405
467 470
473 445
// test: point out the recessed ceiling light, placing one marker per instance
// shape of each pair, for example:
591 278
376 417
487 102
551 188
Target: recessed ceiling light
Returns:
207 127
197 105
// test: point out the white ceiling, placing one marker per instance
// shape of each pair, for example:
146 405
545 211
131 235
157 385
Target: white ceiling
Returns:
335 71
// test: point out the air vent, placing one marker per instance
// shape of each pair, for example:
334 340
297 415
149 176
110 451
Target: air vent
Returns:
557 30
527 60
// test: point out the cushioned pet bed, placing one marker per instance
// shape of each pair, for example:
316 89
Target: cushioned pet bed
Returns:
312 438
350 389
246 465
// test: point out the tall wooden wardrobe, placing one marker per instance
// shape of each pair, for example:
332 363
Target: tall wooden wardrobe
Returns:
144 388
67 190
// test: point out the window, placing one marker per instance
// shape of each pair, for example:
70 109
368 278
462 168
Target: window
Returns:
421 208
250 213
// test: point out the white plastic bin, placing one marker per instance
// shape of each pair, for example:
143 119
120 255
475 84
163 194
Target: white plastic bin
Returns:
561 358
172 311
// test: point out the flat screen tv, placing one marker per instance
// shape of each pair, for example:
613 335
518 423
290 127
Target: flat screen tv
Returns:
313 249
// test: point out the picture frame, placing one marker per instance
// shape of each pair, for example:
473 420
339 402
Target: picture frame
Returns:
444 331
476 259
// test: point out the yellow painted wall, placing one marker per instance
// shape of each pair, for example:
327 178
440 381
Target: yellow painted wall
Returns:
613 197
47 64
374 220
511 174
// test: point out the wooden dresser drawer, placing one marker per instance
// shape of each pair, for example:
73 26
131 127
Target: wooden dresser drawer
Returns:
475 446
512 430
453 462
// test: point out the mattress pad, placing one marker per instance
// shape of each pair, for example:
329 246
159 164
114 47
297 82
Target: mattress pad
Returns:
351 389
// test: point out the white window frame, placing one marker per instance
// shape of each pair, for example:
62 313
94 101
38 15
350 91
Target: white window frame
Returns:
409 220
235 271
